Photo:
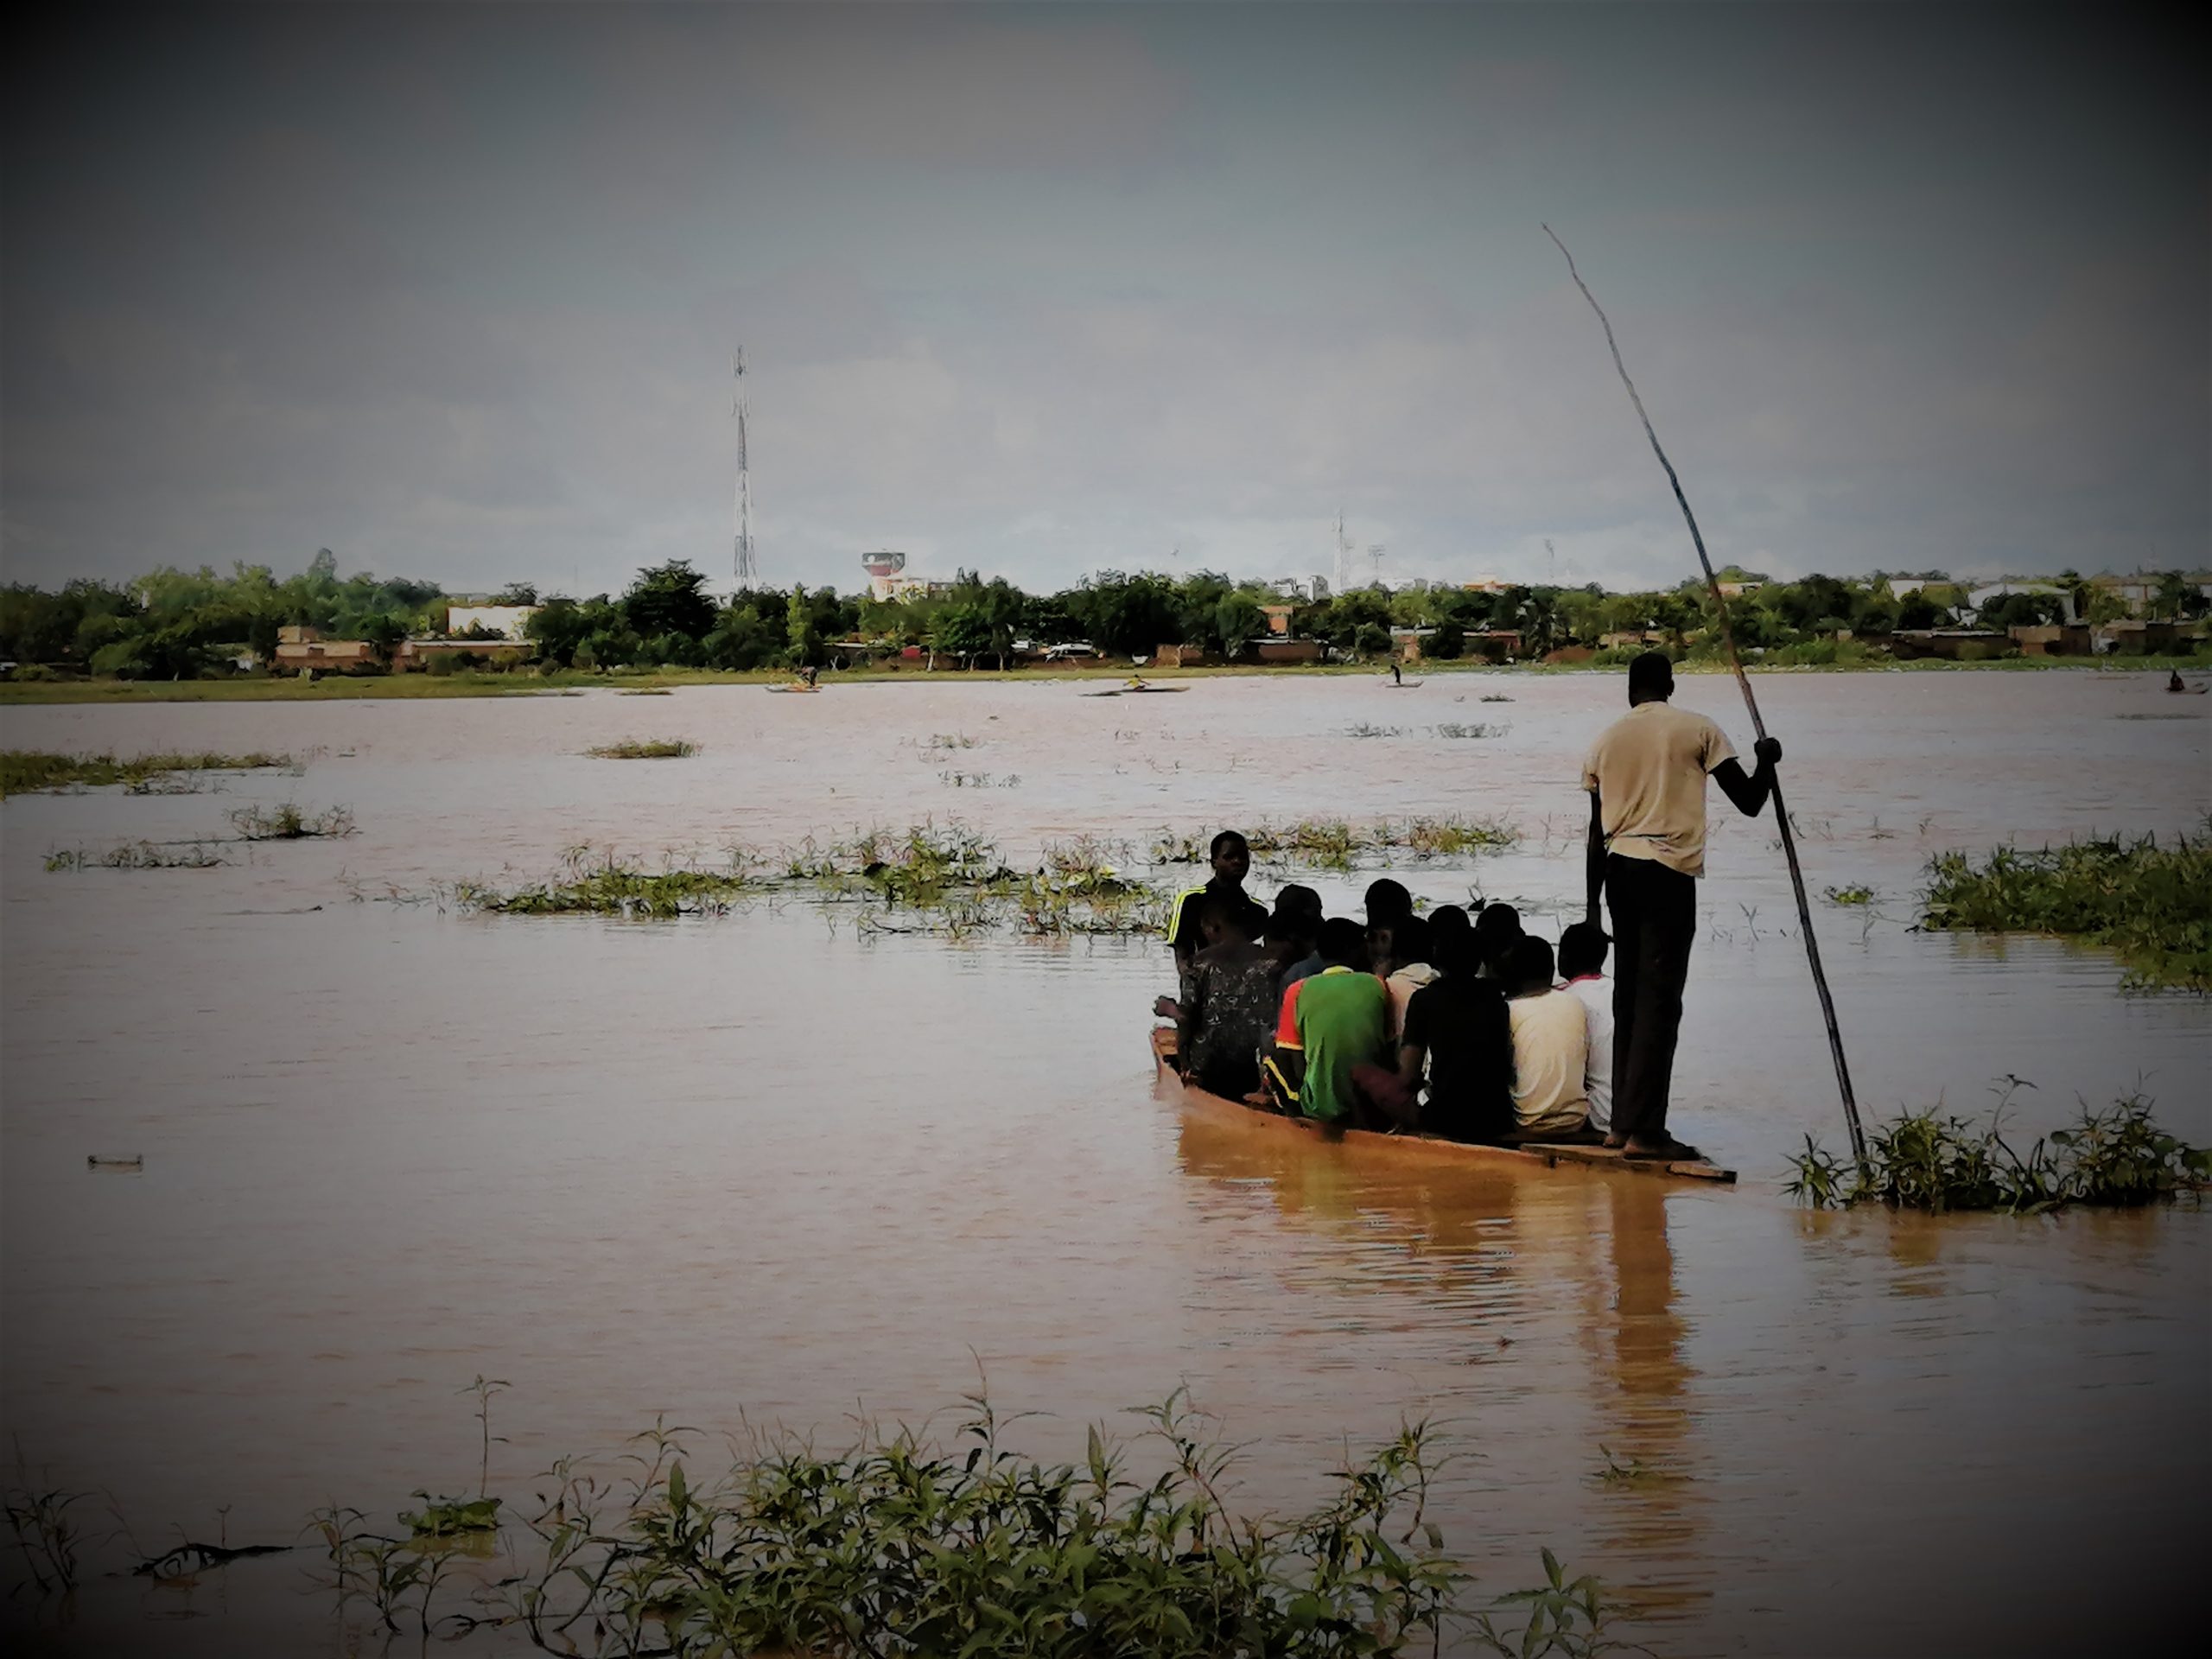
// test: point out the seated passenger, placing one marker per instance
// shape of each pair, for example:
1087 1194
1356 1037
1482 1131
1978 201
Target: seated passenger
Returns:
1458 1038
1399 950
1333 1021
1386 901
1551 1046
1497 930
1229 1005
1292 931
1582 965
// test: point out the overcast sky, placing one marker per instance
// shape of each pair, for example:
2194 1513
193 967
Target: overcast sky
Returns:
453 290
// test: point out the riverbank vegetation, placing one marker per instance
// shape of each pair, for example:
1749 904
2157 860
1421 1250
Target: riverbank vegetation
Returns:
25 771
176 625
1934 1161
2150 901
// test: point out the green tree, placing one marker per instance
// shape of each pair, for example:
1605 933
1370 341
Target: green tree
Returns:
1448 644
668 597
1237 620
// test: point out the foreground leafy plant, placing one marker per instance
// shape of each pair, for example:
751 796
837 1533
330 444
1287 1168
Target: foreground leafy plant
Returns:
2150 903
896 1548
1927 1161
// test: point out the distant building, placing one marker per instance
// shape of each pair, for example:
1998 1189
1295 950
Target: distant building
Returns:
888 581
1738 589
1278 620
303 650
508 622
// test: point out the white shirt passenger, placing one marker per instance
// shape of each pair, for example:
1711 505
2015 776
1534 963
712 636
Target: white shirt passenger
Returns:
1595 993
1551 1046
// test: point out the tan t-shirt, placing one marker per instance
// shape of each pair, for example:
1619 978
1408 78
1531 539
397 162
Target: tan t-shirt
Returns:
1551 1045
1649 768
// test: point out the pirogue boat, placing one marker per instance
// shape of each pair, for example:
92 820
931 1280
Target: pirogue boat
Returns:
1427 1149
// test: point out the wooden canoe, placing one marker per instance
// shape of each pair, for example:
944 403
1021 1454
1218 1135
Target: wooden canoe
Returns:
1422 1148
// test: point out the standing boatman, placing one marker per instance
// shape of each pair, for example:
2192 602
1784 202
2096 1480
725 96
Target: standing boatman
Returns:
1646 777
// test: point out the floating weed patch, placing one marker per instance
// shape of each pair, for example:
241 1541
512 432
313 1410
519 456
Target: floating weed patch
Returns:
612 887
945 880
948 741
2151 903
1452 728
979 780
1495 696
1337 844
644 749
23 771
1929 1160
289 823
137 855
1366 730
452 1517
1853 895
648 691
1632 1471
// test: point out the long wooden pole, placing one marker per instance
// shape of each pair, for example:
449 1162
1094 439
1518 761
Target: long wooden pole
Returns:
1744 684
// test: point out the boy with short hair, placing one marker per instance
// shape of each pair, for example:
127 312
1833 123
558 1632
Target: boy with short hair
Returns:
1497 930
1457 1038
1230 855
1551 1046
1582 965
1334 1022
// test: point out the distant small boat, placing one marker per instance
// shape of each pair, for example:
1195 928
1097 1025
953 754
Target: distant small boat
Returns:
810 689
1401 685
1138 691
96 1162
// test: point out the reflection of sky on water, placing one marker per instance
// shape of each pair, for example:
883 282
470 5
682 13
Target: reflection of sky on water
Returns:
761 1165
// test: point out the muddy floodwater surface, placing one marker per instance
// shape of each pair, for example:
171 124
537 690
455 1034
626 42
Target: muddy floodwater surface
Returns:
765 1165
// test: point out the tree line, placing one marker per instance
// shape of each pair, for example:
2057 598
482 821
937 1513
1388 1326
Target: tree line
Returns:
178 624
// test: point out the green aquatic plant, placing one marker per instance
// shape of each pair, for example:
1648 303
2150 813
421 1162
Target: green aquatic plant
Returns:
2150 902
611 886
644 749
1454 729
1851 895
447 1517
289 823
1338 844
894 1546
1934 1161
23 771
137 855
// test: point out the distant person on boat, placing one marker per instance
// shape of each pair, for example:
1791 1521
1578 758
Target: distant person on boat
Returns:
1646 777
1228 1003
1455 1054
1334 1022
1396 677
1231 857
1582 966
1497 930
1551 1046
809 674
2174 681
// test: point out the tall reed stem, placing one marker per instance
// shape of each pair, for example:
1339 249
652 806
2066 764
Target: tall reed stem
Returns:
1744 684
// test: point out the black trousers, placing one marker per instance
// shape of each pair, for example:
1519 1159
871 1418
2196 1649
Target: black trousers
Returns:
1653 911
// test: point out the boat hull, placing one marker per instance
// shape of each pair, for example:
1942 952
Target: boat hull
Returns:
1428 1150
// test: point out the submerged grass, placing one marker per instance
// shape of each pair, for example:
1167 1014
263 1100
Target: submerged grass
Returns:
896 1545
2150 902
926 878
137 855
289 823
644 749
24 771
1338 844
1930 1161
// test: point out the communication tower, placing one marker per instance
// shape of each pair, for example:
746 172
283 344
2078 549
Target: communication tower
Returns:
748 563
1344 555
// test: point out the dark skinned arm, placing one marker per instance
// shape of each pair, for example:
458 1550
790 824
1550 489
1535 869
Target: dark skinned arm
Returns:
1594 865
1750 793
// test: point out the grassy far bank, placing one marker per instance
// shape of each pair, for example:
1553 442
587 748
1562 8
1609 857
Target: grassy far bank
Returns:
531 683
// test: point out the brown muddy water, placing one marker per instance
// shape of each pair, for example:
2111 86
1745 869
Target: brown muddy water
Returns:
761 1165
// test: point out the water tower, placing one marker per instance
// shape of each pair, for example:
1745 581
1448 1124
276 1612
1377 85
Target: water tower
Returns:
881 566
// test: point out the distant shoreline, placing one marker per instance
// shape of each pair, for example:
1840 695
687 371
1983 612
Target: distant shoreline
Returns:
342 688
